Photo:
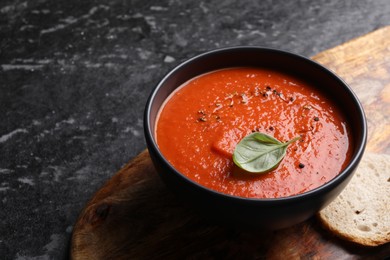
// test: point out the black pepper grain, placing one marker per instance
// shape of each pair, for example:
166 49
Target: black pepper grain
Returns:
202 119
301 165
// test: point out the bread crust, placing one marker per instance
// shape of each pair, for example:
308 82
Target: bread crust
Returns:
361 213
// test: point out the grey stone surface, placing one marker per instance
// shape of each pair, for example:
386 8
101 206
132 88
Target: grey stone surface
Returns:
75 76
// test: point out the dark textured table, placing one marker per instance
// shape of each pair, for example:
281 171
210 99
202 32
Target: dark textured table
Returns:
75 76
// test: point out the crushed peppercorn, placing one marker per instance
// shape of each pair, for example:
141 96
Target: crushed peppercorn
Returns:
202 119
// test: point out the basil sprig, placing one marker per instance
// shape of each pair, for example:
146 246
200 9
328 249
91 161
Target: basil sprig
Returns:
259 152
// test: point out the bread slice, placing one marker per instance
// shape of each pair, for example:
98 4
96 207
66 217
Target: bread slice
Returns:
361 213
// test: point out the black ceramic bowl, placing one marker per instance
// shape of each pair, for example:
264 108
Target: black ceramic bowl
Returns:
260 213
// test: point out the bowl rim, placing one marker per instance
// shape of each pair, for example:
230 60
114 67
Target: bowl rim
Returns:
345 173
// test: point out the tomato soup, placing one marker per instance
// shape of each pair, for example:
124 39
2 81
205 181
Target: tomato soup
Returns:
201 122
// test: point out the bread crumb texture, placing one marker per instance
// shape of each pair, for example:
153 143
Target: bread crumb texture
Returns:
361 213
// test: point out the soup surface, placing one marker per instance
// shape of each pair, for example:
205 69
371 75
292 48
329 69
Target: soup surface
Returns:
200 124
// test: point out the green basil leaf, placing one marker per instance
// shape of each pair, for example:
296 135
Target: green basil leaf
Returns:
259 152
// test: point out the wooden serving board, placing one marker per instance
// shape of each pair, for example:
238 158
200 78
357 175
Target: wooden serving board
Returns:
134 216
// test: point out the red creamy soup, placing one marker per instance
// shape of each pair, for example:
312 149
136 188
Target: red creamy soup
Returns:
200 124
